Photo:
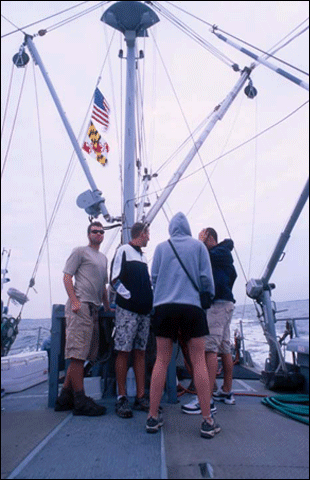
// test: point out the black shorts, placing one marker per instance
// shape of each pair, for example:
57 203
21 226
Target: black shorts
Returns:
174 319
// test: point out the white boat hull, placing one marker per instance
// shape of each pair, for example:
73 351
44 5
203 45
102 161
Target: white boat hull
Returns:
24 370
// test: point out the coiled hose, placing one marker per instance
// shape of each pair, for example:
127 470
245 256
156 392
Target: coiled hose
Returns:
294 406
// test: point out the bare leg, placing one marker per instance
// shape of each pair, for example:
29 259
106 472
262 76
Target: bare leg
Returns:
121 364
187 362
75 375
163 357
228 366
196 348
211 360
139 369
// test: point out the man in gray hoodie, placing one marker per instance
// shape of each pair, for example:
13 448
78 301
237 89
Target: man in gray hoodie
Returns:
178 310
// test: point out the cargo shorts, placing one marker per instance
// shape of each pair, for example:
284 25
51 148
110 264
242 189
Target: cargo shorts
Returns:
82 332
131 330
219 317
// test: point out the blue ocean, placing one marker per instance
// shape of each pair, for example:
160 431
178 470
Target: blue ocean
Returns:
32 333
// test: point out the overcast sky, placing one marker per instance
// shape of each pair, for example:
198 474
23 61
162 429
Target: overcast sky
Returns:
254 189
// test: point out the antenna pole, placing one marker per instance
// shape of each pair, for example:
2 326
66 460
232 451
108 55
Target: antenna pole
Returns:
132 19
217 115
280 71
76 146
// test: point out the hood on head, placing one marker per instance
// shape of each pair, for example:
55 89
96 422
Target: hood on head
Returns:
228 243
179 226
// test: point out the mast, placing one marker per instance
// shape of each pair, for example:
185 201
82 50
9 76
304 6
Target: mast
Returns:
92 200
260 289
261 60
132 19
218 114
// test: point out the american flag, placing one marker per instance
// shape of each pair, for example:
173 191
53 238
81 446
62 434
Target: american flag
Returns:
101 110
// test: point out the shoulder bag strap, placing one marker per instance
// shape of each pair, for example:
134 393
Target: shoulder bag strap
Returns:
183 266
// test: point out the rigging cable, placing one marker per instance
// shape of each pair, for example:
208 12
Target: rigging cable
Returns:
191 33
14 122
118 134
155 192
243 41
199 156
223 149
8 99
75 17
38 21
62 190
284 45
244 143
43 185
254 210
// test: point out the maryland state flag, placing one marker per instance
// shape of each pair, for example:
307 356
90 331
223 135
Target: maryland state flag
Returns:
95 146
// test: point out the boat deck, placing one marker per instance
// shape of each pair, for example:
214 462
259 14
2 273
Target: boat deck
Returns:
255 442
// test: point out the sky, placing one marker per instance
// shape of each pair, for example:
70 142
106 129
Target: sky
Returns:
254 189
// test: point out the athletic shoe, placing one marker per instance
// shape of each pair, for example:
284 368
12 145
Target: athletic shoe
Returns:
65 401
221 396
213 408
143 404
154 424
193 407
122 408
208 430
86 406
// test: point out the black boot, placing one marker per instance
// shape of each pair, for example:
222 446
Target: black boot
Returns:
86 406
65 401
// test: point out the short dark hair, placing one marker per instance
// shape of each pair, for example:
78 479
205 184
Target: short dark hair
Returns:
212 232
93 224
137 229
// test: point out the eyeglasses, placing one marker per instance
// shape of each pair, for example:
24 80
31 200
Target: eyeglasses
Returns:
97 231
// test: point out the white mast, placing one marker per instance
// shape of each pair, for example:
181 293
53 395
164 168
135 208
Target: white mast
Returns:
132 19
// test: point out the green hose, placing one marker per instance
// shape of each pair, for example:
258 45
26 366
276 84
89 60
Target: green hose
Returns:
294 406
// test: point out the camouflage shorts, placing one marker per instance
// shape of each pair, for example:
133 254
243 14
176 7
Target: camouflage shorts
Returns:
131 330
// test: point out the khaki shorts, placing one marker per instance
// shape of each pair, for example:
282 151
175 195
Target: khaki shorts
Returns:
219 318
82 332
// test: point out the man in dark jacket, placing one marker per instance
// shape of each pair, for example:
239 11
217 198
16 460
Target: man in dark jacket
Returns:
219 318
221 312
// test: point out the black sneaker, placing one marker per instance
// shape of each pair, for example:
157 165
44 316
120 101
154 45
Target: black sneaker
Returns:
122 408
86 406
65 401
154 424
208 430
143 404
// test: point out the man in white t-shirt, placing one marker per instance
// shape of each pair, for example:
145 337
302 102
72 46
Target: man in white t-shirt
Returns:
88 266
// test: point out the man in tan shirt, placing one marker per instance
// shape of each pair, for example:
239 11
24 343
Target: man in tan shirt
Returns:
88 266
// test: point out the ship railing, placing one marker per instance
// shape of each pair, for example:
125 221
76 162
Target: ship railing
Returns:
38 343
291 331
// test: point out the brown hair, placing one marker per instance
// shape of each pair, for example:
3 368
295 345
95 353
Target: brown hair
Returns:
93 224
137 229
212 232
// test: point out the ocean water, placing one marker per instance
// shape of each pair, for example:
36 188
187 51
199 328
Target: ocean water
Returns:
254 338
30 338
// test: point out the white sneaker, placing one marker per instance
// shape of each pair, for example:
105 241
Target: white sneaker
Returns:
221 396
193 407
